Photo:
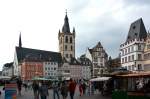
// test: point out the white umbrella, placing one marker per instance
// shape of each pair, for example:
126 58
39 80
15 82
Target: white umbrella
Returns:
100 79
5 77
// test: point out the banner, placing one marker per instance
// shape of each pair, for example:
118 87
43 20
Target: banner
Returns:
11 91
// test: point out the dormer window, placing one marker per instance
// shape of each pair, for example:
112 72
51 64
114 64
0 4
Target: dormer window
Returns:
135 34
134 27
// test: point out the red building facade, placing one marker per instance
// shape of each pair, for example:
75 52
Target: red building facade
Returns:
29 70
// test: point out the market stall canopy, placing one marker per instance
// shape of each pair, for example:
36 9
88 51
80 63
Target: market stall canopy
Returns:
5 77
100 79
136 74
39 78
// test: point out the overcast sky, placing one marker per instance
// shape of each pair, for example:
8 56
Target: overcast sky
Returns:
39 21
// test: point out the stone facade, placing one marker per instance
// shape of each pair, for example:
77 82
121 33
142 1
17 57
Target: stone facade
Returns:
98 57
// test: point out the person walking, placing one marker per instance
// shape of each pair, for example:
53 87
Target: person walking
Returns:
84 88
55 90
80 89
72 87
19 85
64 90
43 91
35 87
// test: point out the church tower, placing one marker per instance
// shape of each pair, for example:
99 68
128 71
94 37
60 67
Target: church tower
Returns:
67 40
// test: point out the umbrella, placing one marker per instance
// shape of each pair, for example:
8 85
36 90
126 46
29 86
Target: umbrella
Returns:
100 79
39 78
5 77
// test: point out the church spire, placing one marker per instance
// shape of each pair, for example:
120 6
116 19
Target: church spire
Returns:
66 28
20 42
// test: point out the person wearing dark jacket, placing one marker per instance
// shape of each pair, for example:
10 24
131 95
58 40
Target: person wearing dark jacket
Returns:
19 85
72 87
35 87
64 90
43 91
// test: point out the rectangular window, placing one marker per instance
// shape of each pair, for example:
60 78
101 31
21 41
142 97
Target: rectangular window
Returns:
139 47
132 57
125 59
122 52
139 57
129 68
129 50
129 58
139 67
122 60
125 51
132 48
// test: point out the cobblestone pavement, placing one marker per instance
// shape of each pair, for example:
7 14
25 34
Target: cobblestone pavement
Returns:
29 95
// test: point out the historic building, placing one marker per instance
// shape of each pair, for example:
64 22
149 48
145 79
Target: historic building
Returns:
147 54
33 62
7 69
132 49
50 69
86 66
67 40
31 66
98 57
113 64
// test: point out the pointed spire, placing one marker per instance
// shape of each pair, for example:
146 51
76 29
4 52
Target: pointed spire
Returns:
66 28
59 31
74 30
20 42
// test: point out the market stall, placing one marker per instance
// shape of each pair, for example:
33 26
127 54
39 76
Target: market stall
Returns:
135 85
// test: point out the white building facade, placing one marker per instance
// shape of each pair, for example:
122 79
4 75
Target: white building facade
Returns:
132 54
50 69
132 49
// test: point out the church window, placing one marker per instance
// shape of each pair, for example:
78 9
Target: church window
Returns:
65 47
66 40
70 39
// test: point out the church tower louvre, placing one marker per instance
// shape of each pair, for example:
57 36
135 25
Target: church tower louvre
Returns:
67 40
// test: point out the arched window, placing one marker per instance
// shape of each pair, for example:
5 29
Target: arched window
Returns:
65 47
71 55
71 47
66 40
70 39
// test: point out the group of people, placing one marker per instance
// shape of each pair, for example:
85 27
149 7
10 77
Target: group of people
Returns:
62 89
65 87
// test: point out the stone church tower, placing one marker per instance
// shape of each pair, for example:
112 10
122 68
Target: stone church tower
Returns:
66 41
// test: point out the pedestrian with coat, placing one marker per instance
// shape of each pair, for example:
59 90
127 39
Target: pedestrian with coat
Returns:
43 91
64 90
56 89
72 87
35 87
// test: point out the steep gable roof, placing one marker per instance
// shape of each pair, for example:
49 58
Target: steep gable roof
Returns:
73 61
23 53
137 30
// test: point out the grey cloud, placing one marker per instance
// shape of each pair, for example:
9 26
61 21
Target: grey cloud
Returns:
136 2
77 6
110 31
